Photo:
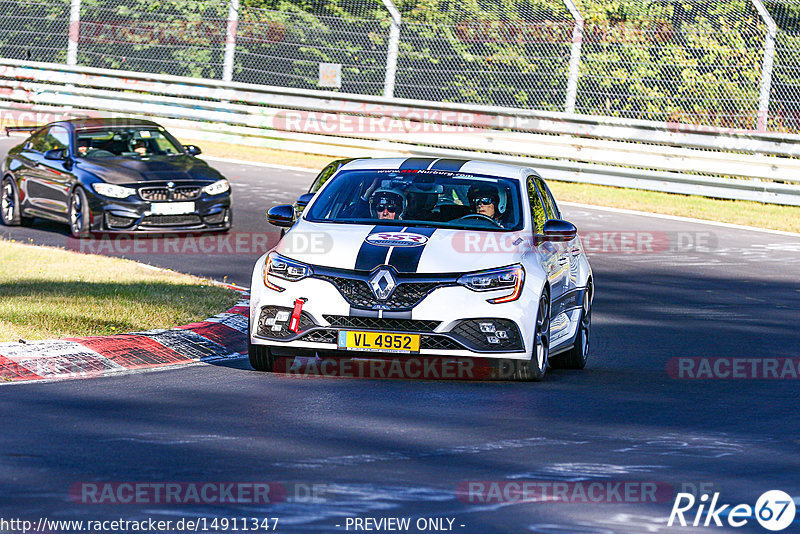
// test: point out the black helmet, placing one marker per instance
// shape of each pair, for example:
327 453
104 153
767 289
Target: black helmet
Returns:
388 199
483 192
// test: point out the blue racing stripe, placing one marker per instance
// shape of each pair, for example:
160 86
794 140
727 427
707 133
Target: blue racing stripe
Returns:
449 164
416 164
369 255
406 259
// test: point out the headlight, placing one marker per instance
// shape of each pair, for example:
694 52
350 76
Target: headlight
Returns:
113 191
285 269
511 277
217 188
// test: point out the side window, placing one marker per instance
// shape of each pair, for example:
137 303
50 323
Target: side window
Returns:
538 213
57 138
549 206
556 212
322 177
36 141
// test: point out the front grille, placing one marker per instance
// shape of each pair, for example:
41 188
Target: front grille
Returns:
188 192
117 221
375 323
171 220
216 218
321 336
426 341
359 294
274 322
496 335
439 343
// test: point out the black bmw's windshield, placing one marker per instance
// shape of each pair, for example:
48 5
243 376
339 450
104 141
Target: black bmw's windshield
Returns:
439 199
131 142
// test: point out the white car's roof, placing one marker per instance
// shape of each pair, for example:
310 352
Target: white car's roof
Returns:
486 168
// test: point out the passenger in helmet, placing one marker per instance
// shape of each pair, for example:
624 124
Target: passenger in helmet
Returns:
485 200
387 204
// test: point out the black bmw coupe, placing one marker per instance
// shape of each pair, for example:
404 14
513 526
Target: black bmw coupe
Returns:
112 175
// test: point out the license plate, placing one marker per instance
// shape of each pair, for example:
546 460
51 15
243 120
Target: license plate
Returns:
378 341
172 208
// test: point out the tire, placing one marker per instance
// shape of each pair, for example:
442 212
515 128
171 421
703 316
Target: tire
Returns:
534 369
79 214
10 209
577 356
261 359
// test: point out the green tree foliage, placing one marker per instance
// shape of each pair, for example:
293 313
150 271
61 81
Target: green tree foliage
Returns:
685 61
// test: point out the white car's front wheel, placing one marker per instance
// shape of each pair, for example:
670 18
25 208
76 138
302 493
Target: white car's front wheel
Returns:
535 368
576 357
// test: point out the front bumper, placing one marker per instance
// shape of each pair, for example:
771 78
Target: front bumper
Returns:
134 215
451 321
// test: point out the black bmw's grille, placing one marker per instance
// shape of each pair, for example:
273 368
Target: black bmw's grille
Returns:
386 324
359 294
500 335
215 218
164 193
171 220
117 221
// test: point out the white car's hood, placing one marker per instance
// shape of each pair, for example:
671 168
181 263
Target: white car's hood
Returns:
407 249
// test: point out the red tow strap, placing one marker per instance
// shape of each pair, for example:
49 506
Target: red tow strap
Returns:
294 322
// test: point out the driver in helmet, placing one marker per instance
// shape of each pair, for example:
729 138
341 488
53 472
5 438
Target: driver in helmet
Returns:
485 200
387 204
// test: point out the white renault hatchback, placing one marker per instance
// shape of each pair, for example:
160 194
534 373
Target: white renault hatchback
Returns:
424 257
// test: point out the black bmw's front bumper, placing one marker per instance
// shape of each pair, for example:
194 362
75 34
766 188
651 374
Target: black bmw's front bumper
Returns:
135 215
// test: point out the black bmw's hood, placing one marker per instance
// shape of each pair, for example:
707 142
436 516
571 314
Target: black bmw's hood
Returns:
157 168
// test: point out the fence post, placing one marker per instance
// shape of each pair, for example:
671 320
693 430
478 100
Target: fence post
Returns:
393 49
574 57
230 40
765 86
74 32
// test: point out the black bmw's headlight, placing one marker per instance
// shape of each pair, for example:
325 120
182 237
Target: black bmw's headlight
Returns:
281 267
511 277
217 188
112 190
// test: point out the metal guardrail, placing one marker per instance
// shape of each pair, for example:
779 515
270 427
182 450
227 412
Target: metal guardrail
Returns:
744 165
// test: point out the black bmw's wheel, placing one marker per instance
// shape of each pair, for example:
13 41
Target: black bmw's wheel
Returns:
535 368
79 215
10 209
576 357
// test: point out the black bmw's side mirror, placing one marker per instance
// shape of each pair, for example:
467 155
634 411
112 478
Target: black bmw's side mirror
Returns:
57 154
559 230
282 215
193 150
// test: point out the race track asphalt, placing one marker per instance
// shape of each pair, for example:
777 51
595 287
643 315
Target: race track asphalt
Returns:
401 448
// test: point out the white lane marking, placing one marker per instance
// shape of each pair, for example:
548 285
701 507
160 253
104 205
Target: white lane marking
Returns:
678 218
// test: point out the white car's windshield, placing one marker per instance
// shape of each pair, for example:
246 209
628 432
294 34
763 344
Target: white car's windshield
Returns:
431 198
132 142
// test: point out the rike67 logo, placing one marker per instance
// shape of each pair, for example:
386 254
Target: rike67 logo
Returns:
774 510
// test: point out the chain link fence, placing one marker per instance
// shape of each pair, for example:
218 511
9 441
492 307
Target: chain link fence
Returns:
784 110
699 62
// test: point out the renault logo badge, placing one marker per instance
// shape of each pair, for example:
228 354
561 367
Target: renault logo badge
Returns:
382 284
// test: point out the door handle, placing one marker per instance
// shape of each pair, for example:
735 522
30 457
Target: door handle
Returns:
562 260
